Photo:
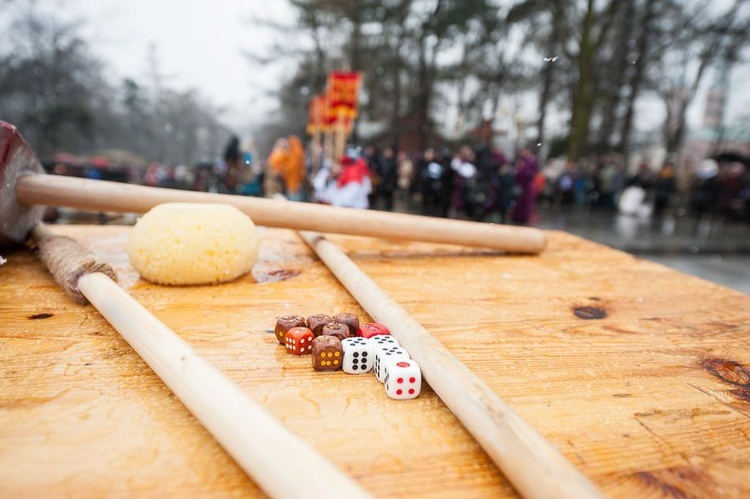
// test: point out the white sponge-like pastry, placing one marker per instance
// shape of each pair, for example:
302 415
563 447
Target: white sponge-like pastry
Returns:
193 243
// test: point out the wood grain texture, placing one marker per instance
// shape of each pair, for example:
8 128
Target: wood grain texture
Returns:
652 400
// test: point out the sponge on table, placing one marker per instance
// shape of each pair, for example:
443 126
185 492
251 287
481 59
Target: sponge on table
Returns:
193 243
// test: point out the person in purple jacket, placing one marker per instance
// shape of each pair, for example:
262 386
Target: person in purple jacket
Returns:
526 170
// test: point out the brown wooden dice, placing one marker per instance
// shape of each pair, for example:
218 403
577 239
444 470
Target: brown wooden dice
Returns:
327 353
340 331
285 323
351 321
317 321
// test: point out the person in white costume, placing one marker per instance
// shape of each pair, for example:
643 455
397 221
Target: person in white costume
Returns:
345 184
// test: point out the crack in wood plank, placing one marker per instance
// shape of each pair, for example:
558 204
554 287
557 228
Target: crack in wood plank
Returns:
727 404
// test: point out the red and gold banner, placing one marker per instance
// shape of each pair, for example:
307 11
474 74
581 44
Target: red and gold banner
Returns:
333 113
343 93
322 117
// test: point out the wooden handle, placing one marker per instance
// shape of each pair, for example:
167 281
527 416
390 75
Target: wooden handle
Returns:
530 463
280 463
98 195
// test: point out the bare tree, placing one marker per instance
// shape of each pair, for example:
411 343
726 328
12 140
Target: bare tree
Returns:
594 26
50 86
645 54
705 39
546 29
54 90
397 44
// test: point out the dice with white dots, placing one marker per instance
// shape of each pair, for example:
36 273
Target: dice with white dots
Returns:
359 357
299 340
403 379
385 355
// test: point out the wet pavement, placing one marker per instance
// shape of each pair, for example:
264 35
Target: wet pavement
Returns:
713 250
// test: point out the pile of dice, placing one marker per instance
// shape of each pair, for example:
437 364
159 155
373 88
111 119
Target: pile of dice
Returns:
340 342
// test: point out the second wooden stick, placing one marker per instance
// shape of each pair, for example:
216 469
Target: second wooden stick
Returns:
534 467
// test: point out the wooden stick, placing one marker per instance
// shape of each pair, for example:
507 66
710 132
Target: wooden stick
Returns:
99 195
256 441
280 463
534 467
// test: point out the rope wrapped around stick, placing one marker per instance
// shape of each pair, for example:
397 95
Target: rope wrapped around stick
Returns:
68 261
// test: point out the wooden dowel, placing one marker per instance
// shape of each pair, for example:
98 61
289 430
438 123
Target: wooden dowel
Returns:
99 195
534 467
279 463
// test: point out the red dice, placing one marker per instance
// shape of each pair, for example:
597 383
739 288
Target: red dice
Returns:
372 329
298 340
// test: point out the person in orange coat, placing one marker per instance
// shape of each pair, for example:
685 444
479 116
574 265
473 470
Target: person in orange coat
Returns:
288 161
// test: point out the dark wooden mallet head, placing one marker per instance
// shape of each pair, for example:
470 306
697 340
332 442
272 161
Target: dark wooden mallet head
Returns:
16 160
65 259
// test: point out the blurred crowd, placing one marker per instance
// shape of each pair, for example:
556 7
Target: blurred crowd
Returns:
718 190
482 184
487 184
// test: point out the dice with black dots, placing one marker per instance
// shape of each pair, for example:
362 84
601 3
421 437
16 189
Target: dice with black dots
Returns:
359 357
383 341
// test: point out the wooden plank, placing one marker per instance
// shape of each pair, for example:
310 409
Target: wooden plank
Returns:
653 398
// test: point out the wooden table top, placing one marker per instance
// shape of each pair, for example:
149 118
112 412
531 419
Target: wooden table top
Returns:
638 374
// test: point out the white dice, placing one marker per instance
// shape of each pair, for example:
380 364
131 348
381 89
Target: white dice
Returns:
386 354
403 379
383 341
391 363
359 357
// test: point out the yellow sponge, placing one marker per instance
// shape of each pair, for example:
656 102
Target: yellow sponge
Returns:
193 243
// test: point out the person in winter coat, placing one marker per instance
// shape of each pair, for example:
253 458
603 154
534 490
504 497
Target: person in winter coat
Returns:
287 160
345 184
523 211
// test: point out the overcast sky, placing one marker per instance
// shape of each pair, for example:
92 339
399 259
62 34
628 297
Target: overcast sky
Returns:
199 43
